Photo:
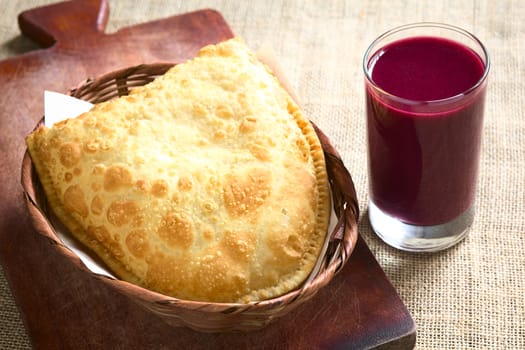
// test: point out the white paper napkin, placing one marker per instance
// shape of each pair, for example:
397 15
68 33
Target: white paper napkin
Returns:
58 107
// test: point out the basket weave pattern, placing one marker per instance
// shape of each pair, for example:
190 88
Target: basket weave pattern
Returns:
206 316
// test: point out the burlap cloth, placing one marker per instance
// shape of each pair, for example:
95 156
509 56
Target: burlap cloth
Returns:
471 296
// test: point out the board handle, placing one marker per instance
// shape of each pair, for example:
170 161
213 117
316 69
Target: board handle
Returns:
64 23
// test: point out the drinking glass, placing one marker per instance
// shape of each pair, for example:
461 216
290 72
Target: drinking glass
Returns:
425 94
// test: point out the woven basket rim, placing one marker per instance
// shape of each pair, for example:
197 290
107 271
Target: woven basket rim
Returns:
342 239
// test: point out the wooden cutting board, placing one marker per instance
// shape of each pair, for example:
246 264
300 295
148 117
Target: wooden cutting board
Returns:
62 305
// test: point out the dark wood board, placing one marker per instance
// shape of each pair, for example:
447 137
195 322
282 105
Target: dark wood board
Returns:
63 305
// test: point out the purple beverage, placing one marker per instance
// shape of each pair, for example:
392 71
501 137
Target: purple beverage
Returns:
424 100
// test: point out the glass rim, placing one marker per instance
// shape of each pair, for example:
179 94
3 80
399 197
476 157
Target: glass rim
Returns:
406 101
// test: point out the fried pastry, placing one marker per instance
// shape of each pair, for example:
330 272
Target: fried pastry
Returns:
206 184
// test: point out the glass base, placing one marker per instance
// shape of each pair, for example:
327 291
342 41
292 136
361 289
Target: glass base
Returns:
416 238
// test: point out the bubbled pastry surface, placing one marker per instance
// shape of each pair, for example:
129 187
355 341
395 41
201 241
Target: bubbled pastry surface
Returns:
207 184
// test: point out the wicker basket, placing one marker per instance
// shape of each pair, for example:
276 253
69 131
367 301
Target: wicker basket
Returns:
206 316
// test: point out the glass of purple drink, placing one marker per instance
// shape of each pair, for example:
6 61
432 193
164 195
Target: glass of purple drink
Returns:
425 93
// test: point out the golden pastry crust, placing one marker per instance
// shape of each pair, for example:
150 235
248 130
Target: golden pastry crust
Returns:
206 184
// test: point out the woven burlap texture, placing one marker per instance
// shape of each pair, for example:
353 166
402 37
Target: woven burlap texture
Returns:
468 297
